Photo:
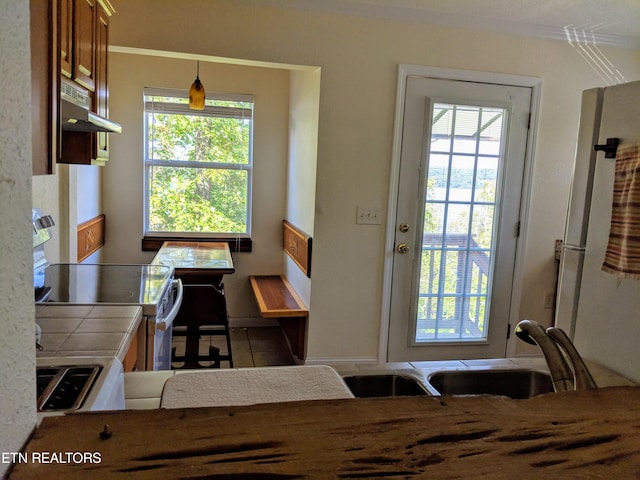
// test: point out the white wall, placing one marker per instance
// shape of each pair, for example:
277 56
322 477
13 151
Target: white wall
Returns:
304 97
123 176
359 57
72 195
17 313
46 197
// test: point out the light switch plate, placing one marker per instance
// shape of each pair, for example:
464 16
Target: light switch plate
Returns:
368 216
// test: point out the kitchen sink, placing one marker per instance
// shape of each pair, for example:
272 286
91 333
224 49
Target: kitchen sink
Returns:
522 383
384 385
64 388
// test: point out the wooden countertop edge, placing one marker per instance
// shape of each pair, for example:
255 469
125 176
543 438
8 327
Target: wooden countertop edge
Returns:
583 434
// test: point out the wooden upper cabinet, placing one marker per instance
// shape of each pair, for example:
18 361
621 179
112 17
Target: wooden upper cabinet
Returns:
45 85
84 43
83 56
66 38
83 31
101 95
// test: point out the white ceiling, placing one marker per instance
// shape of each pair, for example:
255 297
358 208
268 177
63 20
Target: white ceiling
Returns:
612 22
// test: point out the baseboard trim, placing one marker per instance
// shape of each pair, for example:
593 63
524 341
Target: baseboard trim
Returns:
252 322
338 360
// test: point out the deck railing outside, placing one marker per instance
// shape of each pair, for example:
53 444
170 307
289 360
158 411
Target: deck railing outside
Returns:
454 288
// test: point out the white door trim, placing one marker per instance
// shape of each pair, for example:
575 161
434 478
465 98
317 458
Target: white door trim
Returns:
404 71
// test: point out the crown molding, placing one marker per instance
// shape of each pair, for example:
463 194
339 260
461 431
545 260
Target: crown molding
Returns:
583 34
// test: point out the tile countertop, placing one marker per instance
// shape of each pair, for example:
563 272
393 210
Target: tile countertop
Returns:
86 330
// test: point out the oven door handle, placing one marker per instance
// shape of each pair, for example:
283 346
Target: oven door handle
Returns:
168 320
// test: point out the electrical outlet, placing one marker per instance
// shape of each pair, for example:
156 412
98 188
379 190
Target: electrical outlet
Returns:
368 216
549 299
558 249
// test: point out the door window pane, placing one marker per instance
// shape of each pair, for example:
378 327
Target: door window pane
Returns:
459 235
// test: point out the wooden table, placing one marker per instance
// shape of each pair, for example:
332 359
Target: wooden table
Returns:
570 435
197 262
200 266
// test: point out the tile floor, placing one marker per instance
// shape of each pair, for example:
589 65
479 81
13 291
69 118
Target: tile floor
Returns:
251 347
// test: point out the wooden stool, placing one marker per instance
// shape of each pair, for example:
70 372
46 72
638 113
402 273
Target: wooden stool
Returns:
203 312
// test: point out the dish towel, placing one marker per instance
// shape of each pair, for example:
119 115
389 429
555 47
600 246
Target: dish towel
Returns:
250 386
622 257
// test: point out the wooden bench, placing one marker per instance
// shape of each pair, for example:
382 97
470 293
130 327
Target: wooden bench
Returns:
276 298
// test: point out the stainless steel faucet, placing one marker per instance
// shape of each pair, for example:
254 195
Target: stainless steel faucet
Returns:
533 333
582 377
564 377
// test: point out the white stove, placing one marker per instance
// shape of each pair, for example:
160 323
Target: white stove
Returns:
105 390
114 284
150 286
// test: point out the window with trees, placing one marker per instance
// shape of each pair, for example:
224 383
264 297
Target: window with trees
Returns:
198 165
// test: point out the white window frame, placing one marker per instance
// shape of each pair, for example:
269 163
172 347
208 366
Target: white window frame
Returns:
209 110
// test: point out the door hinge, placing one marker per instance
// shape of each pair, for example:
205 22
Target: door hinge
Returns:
508 331
518 229
529 122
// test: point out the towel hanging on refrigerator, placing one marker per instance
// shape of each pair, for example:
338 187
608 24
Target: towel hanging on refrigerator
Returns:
622 257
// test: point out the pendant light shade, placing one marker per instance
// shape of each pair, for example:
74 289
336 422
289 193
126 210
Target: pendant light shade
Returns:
196 92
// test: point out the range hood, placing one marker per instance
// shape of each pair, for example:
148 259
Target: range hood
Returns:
76 115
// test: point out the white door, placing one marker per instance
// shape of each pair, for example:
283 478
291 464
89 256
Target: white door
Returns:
462 166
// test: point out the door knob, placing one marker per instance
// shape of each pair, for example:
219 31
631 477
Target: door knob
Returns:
402 248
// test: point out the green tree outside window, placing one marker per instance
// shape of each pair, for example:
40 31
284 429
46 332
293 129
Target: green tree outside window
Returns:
198 166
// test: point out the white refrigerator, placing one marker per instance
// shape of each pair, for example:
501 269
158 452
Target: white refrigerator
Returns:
599 311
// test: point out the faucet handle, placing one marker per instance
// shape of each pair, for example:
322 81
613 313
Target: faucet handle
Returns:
532 332
582 377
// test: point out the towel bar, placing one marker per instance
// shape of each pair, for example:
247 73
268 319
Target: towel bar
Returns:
609 149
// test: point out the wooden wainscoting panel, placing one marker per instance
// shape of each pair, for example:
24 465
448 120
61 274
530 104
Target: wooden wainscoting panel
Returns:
297 244
90 237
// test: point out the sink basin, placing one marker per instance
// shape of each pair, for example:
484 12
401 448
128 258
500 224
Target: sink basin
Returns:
386 385
511 383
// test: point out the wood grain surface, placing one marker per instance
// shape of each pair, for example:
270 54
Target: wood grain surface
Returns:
297 245
572 435
90 236
276 297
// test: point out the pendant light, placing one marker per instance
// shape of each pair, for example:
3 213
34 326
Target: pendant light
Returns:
196 92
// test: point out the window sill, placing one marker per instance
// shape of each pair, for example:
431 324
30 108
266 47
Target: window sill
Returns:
153 244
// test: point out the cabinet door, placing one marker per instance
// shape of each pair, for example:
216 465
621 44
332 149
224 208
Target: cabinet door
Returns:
131 357
101 96
84 35
66 38
45 95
